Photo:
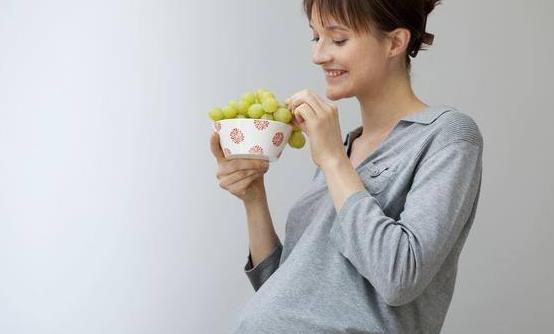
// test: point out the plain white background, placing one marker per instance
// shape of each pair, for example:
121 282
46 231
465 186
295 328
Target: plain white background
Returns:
111 220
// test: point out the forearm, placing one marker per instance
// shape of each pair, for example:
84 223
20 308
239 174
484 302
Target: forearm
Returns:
262 236
342 180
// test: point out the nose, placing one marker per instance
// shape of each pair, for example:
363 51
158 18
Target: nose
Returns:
320 54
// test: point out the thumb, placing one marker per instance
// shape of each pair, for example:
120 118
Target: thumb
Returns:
298 122
216 147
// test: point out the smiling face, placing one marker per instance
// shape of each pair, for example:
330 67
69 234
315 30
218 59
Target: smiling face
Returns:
353 63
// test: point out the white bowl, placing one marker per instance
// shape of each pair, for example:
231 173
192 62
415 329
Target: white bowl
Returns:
246 138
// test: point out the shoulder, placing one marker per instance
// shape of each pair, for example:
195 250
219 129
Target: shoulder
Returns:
455 126
449 129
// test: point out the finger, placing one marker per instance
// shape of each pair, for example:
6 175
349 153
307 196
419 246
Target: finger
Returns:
307 113
317 104
295 100
292 101
298 120
298 123
299 98
318 108
231 166
216 147
240 186
230 179
308 97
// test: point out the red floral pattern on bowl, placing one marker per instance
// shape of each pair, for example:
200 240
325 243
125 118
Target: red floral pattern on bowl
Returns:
236 136
256 149
278 138
261 124
245 138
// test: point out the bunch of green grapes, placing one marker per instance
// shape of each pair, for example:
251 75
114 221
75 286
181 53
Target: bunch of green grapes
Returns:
260 104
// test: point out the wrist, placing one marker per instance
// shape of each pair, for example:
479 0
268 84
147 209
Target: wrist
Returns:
336 162
255 205
255 194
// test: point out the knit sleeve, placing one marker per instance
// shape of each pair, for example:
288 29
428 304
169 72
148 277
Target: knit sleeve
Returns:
400 257
263 270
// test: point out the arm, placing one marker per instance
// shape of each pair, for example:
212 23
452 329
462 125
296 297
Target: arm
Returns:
342 179
400 258
265 246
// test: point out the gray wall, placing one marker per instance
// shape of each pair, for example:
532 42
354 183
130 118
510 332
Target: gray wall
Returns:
111 220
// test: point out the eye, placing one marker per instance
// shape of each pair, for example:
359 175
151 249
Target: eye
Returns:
339 43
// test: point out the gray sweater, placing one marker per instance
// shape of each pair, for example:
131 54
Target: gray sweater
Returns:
387 261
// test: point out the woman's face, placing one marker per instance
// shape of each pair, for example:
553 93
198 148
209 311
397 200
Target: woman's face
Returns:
353 64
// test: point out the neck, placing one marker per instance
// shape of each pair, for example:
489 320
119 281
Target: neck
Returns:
382 109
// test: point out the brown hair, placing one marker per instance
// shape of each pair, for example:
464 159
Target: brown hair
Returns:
378 17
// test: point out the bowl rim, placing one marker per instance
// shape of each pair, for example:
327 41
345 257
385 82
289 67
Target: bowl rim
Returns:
254 119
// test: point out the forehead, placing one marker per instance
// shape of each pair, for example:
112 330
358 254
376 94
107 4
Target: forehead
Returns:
326 21
333 27
329 24
328 16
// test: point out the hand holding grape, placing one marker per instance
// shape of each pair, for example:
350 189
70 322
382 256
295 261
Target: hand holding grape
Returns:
241 177
319 120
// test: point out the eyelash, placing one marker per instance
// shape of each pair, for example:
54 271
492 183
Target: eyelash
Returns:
339 43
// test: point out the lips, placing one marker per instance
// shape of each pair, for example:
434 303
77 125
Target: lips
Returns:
334 73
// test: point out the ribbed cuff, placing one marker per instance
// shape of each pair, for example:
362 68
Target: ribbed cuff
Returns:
263 270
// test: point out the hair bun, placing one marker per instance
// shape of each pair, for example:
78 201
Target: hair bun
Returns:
429 5
427 38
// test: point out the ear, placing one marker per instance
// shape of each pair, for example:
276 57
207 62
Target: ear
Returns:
399 39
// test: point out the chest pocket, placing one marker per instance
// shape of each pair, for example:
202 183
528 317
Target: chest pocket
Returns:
376 178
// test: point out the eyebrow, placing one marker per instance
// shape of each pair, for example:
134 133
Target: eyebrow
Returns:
332 27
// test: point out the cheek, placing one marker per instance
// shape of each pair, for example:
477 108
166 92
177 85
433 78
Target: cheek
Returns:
368 66
368 75
366 71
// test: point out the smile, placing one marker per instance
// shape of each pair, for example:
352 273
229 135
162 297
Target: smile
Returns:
334 74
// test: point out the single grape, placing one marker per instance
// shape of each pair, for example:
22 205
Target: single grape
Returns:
255 111
297 139
230 112
267 95
270 105
283 115
233 103
216 114
268 116
259 94
242 107
249 98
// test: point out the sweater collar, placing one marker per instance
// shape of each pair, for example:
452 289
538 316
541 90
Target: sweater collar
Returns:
428 115
425 117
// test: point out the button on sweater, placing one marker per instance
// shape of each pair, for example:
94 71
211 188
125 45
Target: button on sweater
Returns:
387 261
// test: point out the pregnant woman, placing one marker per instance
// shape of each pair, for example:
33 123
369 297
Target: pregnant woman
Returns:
373 245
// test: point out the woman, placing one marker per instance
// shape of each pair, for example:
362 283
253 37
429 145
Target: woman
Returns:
373 245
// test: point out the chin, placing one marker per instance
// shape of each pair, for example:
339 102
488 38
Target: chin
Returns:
336 94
